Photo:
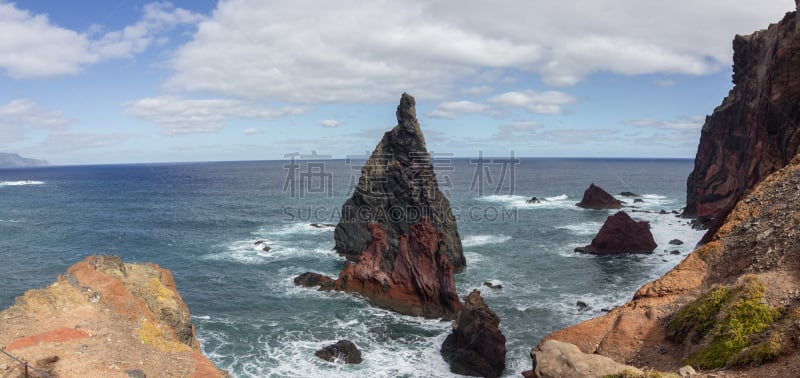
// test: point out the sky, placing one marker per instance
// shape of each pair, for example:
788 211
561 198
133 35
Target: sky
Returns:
97 82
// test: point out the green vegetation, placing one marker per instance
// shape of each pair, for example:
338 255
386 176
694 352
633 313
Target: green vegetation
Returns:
734 318
760 353
699 315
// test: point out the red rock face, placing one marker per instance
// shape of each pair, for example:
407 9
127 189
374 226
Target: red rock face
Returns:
756 130
594 197
621 234
420 279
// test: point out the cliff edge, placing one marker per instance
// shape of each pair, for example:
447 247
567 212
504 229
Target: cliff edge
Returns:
104 318
756 129
732 304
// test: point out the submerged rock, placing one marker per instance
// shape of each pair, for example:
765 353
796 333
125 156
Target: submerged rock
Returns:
398 188
344 351
621 234
493 285
594 197
476 346
311 279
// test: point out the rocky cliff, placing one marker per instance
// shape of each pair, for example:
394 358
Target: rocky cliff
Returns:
105 318
732 304
756 129
397 188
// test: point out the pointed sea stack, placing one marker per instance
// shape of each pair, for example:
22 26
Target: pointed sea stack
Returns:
594 197
756 129
397 229
397 189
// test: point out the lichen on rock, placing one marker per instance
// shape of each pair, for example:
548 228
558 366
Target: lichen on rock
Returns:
104 315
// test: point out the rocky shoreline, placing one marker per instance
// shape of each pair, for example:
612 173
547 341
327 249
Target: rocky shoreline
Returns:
730 308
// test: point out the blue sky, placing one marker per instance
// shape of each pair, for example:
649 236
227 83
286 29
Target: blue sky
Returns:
87 82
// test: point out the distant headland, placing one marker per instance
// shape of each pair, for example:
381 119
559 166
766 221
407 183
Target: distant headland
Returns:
10 160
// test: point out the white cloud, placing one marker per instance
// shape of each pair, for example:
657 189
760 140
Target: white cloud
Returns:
518 131
26 113
134 39
177 115
22 115
578 136
253 131
32 46
331 123
684 124
477 90
547 102
301 52
454 109
70 141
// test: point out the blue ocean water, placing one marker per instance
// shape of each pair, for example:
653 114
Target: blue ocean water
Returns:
201 220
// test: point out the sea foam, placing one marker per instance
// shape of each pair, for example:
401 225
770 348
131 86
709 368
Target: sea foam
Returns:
20 183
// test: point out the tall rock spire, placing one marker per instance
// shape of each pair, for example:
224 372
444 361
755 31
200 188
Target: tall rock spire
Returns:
397 189
398 229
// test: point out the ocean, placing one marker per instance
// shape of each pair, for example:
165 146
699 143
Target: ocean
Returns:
202 221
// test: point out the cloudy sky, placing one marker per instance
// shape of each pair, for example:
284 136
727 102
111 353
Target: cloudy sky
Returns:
133 81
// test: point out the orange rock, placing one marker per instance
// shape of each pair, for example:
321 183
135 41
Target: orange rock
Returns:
60 335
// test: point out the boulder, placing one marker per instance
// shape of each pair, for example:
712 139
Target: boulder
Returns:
594 197
756 129
621 234
628 194
311 279
344 351
533 200
556 359
676 242
476 346
493 285
397 188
